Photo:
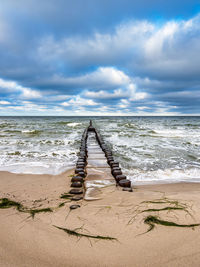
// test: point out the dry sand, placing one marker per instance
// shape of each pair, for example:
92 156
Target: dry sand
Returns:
36 242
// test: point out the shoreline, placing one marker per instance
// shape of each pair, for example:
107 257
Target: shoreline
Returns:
27 241
139 184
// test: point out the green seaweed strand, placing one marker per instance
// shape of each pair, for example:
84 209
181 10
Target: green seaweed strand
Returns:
7 203
152 220
163 209
74 233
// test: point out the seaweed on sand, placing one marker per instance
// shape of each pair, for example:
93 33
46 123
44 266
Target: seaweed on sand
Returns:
35 211
172 205
165 200
77 234
163 209
66 196
168 205
153 220
6 203
61 204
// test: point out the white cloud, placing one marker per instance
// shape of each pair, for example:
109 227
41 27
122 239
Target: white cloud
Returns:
118 93
3 102
79 102
142 108
28 93
82 102
163 37
108 75
100 47
13 87
8 86
129 91
124 103
171 49
102 78
65 104
51 97
139 96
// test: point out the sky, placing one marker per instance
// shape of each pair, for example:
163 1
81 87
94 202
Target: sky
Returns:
99 57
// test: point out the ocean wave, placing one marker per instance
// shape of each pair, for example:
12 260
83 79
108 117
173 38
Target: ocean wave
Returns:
73 124
53 142
170 133
4 125
128 125
37 167
151 132
62 122
15 153
11 131
32 132
3 135
166 175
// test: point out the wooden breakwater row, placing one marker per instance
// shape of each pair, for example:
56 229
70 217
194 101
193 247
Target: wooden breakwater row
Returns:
82 165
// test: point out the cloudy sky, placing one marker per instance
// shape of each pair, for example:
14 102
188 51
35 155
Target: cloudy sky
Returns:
99 57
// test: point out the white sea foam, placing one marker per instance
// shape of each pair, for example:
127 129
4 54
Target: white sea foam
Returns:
164 176
73 124
170 133
29 131
37 168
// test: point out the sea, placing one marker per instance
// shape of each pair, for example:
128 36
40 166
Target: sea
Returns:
149 149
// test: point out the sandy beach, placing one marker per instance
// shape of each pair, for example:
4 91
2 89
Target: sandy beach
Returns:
27 241
99 133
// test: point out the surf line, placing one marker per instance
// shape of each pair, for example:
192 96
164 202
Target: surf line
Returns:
96 166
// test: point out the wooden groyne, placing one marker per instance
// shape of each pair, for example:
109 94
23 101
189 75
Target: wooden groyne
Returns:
95 167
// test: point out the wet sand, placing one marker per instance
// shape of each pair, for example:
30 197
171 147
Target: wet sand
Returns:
25 241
